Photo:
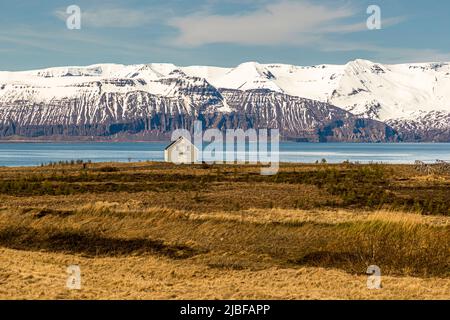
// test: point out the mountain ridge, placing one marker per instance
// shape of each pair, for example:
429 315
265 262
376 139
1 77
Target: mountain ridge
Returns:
404 97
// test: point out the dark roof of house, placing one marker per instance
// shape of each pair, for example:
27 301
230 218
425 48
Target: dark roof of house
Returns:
175 141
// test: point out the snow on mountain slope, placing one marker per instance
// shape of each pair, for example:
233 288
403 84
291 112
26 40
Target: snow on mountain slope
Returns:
378 91
153 71
65 82
396 94
101 94
382 92
407 96
209 73
315 82
97 70
247 76
154 99
393 91
424 126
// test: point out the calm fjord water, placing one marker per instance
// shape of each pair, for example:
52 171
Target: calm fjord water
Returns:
34 154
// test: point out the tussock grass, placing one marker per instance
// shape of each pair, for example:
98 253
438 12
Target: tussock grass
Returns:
321 186
229 220
401 247
401 244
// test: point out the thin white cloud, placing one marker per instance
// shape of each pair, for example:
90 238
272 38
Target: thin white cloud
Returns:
284 22
300 23
111 17
362 26
14 39
388 54
279 23
64 41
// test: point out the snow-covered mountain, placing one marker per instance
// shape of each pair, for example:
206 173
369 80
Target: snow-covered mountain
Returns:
414 98
317 103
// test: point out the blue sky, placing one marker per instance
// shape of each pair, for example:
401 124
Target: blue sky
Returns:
221 32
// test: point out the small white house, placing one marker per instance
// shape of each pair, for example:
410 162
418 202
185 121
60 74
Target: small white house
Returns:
181 151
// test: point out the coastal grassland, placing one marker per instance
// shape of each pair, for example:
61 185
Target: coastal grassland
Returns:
156 230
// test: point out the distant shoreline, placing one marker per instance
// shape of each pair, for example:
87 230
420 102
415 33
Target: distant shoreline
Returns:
167 141
70 140
82 141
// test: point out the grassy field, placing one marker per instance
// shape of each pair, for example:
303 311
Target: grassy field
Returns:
161 231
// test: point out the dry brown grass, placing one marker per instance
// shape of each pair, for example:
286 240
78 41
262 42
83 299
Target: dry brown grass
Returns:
229 237
41 275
